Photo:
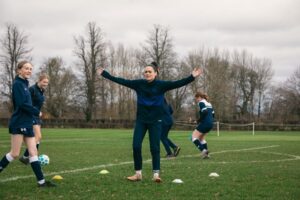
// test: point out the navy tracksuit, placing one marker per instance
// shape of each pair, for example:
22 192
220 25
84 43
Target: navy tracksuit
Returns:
166 126
22 120
150 99
38 98
22 116
206 117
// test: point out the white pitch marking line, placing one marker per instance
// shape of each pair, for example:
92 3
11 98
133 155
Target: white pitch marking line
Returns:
60 140
128 162
225 151
69 171
293 157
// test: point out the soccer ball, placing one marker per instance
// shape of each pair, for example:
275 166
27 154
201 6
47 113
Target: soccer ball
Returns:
44 159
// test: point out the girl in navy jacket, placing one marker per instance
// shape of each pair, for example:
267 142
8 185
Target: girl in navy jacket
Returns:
206 121
38 98
150 99
20 125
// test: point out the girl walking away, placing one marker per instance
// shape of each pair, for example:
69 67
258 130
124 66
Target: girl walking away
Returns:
38 98
167 123
20 125
205 123
150 98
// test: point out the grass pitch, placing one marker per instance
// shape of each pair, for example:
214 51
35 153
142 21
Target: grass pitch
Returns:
264 166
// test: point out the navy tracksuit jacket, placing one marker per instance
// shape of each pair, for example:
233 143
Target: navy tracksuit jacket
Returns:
150 100
22 116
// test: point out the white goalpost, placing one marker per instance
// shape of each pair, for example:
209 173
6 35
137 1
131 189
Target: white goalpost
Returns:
252 125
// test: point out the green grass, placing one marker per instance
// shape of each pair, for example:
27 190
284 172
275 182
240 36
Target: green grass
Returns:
264 166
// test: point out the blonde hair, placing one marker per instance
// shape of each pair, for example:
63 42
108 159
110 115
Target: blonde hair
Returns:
43 76
202 95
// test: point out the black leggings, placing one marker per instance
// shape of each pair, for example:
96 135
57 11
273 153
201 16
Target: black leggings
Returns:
154 139
165 140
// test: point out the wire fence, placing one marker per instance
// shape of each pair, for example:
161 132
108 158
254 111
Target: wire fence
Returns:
178 125
251 126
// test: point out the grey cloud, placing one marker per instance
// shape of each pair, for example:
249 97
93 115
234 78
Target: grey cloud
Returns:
269 28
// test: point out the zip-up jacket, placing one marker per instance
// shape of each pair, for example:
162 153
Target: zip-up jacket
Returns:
37 96
150 95
22 116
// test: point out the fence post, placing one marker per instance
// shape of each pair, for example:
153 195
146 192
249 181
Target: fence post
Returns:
218 128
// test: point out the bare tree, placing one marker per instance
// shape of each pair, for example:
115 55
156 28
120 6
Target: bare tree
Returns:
265 74
291 97
121 62
159 48
63 85
245 79
218 83
90 51
196 58
293 84
283 105
14 46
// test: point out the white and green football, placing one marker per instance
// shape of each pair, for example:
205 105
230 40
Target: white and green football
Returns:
44 159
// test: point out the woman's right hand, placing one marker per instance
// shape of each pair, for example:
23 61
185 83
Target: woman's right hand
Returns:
100 70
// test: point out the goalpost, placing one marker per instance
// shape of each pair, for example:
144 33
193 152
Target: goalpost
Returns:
235 125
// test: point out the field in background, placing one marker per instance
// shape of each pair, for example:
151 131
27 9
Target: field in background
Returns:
264 166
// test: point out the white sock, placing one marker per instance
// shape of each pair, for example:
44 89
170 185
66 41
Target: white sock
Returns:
41 182
9 157
33 159
203 141
139 172
155 173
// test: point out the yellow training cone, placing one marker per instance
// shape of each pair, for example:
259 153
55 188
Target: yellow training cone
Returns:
104 171
57 177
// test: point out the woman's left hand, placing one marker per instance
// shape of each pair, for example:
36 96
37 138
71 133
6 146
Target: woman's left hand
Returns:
197 72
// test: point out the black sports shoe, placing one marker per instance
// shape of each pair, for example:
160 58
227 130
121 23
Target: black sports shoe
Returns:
23 160
47 184
176 151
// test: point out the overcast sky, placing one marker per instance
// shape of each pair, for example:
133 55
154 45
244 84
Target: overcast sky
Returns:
265 28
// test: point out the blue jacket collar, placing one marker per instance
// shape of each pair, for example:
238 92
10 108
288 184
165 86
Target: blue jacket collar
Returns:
25 81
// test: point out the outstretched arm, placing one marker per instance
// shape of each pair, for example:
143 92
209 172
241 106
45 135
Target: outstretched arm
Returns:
169 85
128 83
100 70
197 72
